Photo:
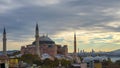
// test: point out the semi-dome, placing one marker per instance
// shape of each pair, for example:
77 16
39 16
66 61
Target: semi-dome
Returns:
45 40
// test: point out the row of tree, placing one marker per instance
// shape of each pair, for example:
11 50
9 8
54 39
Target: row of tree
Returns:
47 63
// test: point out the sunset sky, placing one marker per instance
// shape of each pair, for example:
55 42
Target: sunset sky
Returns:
96 22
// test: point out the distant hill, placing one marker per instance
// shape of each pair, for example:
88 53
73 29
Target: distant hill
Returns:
9 52
115 52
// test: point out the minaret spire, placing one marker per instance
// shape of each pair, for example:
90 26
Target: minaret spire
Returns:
76 59
4 31
74 42
4 42
37 40
37 29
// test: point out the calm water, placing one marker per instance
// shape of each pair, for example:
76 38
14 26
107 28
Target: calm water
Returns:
115 58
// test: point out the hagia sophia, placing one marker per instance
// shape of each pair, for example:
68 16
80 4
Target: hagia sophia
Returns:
44 45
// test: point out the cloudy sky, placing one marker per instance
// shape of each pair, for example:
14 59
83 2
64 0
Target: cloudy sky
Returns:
96 22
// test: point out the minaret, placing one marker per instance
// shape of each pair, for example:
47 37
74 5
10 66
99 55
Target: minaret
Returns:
37 40
4 42
76 59
78 51
74 43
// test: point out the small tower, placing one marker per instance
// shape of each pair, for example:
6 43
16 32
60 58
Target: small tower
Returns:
74 43
78 51
76 59
4 42
37 40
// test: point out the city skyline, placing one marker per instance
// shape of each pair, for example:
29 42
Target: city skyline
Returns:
96 23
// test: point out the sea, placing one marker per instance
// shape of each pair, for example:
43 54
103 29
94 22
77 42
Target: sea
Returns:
114 59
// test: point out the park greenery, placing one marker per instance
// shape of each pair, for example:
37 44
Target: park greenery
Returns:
47 63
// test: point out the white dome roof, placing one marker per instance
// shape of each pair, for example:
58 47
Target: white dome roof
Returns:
88 59
98 58
58 56
45 56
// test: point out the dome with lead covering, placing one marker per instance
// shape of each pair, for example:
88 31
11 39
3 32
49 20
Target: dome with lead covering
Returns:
45 40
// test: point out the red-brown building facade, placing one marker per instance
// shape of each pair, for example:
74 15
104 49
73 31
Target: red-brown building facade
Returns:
46 45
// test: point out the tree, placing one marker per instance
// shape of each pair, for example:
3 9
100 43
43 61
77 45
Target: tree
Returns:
81 58
65 62
117 62
29 58
109 60
38 62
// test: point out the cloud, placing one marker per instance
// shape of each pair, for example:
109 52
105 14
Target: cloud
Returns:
8 5
94 21
114 24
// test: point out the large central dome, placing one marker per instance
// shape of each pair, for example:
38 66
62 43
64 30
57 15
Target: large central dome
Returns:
45 40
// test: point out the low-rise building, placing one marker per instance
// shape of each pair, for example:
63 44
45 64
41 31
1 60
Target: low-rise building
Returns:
13 63
4 61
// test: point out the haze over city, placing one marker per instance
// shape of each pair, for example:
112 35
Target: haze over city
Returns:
96 22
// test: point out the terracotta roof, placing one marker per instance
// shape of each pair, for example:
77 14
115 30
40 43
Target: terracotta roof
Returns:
3 57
